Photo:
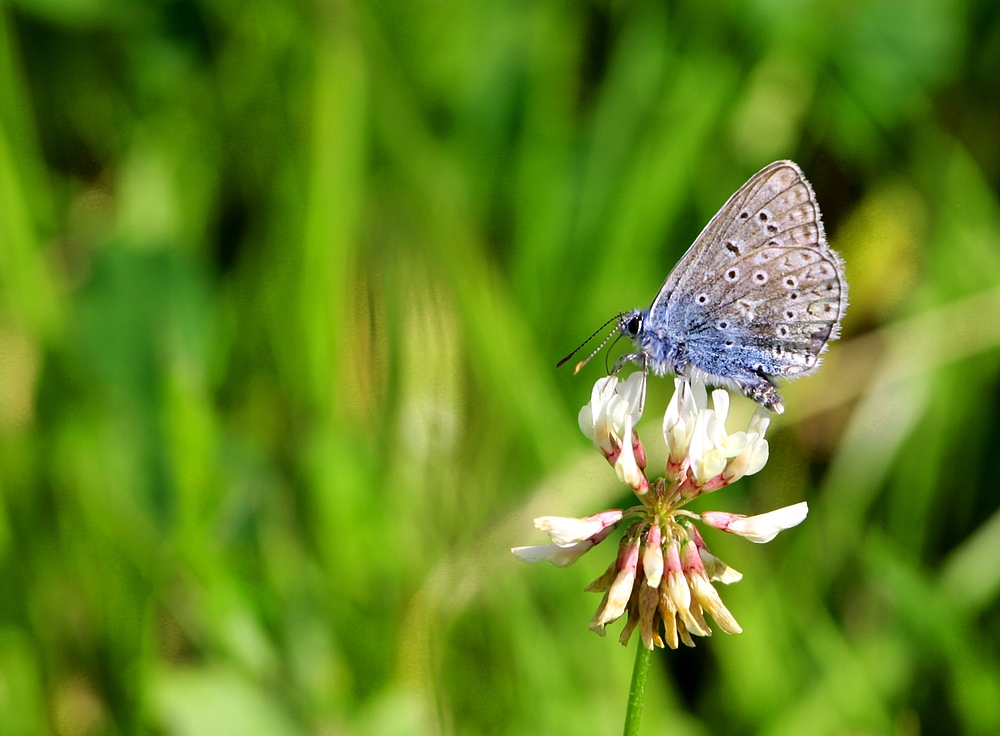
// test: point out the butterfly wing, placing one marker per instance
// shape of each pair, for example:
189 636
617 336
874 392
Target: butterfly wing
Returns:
759 293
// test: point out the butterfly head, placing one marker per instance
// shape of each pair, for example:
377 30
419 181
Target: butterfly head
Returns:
654 350
630 323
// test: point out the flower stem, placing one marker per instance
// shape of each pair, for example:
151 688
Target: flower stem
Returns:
637 691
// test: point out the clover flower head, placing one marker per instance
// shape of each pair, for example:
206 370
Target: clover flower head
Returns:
663 575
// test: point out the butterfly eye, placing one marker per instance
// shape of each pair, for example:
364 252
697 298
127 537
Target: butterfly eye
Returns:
633 326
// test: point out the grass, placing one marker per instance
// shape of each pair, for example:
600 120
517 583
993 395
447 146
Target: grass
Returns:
282 287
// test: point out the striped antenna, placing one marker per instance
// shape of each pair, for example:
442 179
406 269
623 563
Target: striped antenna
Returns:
604 342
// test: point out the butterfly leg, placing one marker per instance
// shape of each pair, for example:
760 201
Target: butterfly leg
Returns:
760 389
637 358
645 377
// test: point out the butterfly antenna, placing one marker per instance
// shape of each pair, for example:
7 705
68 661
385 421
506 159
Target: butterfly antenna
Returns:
576 350
578 366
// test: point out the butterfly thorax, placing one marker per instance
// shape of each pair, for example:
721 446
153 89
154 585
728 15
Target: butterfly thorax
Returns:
655 350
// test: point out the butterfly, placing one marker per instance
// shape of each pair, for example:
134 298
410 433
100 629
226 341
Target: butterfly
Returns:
757 296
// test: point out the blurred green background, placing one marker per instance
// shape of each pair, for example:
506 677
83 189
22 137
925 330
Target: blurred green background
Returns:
282 286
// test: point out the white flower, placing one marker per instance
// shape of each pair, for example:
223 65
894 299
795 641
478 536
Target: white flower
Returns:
681 415
754 455
649 601
703 592
715 568
616 598
565 532
707 461
761 528
626 467
652 558
715 453
612 404
708 598
678 590
594 415
558 556
564 555
711 446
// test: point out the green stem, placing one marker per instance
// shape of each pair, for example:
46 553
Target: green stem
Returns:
637 691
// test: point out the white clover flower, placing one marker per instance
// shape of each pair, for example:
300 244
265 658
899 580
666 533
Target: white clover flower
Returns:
564 552
593 416
678 590
707 459
702 590
755 454
681 415
553 553
616 598
652 558
712 447
613 404
566 532
761 528
662 576
626 466
649 603
714 567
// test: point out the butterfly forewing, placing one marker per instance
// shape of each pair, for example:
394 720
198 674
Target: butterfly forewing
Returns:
777 193
760 278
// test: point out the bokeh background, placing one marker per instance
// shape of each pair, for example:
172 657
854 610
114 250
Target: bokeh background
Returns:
282 287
